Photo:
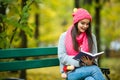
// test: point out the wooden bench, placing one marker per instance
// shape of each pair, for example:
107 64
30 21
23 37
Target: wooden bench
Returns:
41 62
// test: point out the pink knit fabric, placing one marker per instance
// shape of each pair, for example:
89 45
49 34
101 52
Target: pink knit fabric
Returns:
81 39
81 14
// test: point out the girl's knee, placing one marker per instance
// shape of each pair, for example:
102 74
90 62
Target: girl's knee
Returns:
95 67
89 78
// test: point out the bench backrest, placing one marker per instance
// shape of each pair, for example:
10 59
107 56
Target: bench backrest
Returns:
27 63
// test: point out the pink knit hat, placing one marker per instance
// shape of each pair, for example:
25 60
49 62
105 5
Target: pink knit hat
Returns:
80 14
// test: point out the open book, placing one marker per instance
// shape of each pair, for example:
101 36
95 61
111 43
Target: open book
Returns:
90 55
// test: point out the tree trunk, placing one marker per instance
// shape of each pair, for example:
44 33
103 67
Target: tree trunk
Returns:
37 29
2 11
78 2
77 5
87 1
23 45
2 24
97 26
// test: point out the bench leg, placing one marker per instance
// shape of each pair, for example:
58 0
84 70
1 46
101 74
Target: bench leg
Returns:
108 78
106 72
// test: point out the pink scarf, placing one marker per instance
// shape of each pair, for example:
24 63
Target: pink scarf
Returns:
81 39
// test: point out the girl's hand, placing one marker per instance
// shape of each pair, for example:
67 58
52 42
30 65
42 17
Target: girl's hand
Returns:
87 61
64 75
71 67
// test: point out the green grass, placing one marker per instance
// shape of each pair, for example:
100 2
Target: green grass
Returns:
53 72
114 65
44 74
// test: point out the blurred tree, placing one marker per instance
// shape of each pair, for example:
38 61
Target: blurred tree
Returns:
97 23
45 20
37 35
22 33
3 42
87 1
77 5
53 19
23 41
13 22
110 22
23 36
97 26
37 23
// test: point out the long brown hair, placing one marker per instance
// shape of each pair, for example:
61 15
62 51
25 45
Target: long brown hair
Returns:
74 33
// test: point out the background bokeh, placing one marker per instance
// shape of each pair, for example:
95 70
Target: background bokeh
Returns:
39 23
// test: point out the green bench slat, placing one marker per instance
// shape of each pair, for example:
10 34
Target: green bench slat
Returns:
27 52
21 65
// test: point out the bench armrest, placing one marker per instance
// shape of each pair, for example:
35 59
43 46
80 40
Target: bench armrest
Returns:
106 71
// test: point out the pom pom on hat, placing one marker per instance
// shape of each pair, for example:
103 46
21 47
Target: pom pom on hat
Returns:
75 10
79 14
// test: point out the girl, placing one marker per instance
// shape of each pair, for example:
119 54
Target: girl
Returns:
77 37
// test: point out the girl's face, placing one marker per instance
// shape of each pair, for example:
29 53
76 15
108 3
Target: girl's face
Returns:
83 25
